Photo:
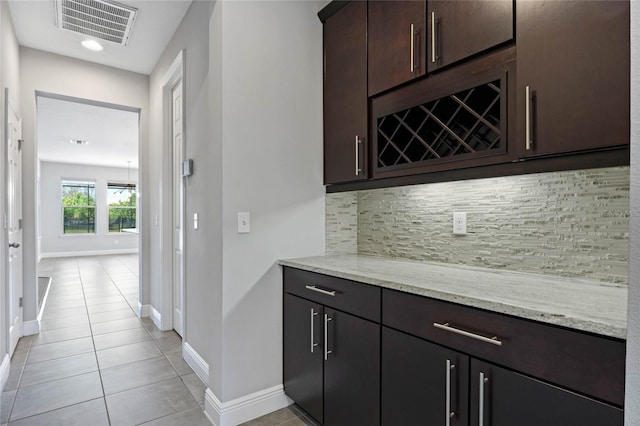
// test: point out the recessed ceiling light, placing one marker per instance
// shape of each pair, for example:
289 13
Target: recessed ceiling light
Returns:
78 142
92 45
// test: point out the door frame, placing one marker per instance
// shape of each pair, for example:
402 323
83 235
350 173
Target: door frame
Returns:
171 78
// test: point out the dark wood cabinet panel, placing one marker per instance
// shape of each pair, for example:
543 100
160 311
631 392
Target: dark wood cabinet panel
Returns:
396 43
579 361
356 298
331 358
414 382
464 28
345 94
505 398
573 56
352 371
303 369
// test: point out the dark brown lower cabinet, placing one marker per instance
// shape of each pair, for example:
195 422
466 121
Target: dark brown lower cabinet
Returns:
422 383
351 371
500 397
331 363
303 375
350 360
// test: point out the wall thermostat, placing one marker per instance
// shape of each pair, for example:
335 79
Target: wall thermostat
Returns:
187 167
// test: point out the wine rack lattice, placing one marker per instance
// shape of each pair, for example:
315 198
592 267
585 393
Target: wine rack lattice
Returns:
466 122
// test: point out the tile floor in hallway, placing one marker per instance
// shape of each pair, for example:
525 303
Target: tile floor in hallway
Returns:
94 362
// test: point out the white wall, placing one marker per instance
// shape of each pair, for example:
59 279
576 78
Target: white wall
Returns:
254 130
9 78
272 168
202 250
632 395
50 73
54 242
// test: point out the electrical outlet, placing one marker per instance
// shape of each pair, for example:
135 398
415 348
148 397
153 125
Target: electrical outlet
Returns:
459 223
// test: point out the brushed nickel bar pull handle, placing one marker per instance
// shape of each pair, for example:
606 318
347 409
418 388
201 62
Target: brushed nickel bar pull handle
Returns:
493 340
449 414
313 343
358 142
326 336
433 37
527 120
483 380
413 36
320 290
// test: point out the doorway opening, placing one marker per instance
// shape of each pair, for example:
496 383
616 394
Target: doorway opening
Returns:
88 187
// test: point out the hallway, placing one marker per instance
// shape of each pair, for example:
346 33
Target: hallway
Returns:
94 362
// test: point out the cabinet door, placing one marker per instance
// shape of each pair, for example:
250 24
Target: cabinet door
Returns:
573 62
345 94
396 43
500 397
459 29
422 383
303 354
351 371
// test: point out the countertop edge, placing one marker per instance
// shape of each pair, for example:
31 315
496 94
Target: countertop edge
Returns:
580 324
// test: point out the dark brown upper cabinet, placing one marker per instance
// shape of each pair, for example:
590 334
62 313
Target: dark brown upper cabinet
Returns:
345 94
573 76
460 29
397 43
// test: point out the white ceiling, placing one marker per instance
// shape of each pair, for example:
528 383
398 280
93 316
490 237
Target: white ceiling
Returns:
112 134
156 22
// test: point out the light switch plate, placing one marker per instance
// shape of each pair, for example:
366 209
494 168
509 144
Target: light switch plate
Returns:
459 223
243 223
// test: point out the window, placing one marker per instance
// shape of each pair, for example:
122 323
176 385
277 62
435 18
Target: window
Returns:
78 207
121 199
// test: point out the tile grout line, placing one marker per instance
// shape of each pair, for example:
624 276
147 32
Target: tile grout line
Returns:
95 352
15 397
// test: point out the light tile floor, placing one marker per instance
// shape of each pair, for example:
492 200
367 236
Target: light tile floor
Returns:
95 362
288 416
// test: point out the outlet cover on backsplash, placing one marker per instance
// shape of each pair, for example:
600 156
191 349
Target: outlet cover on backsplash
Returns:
572 224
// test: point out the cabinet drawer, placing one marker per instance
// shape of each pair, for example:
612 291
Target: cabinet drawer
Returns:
579 361
353 297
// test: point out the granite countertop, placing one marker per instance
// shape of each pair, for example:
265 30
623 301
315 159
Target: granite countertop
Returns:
585 305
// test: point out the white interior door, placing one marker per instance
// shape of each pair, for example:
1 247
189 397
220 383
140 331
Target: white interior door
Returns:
14 226
178 211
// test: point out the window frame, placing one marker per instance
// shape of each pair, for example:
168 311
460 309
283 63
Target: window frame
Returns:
79 182
130 185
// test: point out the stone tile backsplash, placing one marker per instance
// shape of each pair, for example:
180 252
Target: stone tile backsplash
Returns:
341 223
572 224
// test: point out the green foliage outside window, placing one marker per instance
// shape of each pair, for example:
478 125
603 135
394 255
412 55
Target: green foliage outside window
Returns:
78 206
122 206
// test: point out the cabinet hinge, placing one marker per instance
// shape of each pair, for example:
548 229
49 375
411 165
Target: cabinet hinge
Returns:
20 142
19 223
20 302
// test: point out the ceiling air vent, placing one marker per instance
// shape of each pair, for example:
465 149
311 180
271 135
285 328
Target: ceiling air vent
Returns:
96 18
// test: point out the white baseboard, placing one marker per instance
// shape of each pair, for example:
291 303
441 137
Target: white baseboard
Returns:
5 368
156 317
246 408
30 328
88 253
144 311
196 362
